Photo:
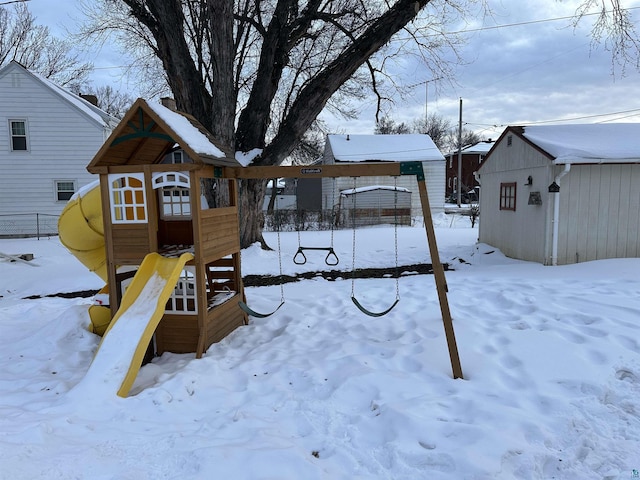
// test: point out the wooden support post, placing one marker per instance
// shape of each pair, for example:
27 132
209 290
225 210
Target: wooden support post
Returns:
441 282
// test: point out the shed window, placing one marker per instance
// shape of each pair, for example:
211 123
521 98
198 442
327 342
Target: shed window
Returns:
508 196
128 203
65 190
18 129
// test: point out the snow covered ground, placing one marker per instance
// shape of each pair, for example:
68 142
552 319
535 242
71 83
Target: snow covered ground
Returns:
550 356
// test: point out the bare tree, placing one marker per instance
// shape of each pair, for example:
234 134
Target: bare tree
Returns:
112 101
258 72
437 127
614 29
387 125
33 46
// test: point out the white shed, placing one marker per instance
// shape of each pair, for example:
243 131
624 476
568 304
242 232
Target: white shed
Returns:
375 204
562 194
387 148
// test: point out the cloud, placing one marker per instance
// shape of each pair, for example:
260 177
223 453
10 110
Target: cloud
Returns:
523 73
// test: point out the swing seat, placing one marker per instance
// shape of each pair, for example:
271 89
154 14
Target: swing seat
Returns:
249 311
369 312
331 259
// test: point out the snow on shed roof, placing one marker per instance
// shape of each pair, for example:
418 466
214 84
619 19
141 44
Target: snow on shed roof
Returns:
386 148
197 140
588 143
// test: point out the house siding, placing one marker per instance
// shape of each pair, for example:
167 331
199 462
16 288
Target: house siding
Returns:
599 213
522 233
61 143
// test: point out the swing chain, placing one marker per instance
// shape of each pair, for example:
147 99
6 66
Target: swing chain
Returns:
353 247
395 232
278 227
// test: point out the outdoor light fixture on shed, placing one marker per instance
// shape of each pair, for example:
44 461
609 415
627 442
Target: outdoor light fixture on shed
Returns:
529 181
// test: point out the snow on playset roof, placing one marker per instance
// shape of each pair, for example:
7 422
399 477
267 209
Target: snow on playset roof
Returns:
588 143
159 129
187 131
384 148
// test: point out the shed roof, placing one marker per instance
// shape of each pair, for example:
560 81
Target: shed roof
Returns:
148 131
385 148
587 143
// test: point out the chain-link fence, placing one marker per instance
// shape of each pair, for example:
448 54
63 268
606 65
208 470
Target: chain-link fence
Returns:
28 225
300 220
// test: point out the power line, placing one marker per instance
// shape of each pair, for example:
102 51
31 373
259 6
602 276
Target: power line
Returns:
633 113
530 22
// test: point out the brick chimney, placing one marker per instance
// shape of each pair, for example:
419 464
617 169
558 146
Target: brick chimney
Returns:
169 102
92 99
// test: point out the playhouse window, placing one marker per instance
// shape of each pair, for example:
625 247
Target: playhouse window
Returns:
173 194
183 299
508 196
175 202
128 203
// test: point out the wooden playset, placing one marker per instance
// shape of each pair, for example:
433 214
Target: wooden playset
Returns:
152 201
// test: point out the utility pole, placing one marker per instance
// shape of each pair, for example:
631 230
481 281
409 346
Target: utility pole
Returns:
459 186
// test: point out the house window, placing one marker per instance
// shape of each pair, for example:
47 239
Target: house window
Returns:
176 157
65 190
508 196
18 129
128 203
509 140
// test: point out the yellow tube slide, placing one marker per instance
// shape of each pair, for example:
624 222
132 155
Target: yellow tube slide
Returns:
81 230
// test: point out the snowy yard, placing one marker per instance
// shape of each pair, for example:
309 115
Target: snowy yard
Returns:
550 356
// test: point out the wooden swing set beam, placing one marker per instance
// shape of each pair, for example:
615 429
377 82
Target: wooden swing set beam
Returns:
371 169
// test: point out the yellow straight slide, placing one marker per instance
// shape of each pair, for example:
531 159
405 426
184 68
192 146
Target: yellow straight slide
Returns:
125 341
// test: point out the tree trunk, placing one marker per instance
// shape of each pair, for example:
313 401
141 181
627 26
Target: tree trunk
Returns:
251 198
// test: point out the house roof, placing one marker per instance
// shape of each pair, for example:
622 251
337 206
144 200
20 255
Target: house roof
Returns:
384 148
587 143
480 147
149 131
86 108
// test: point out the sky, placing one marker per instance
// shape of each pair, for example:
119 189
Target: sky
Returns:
550 358
523 64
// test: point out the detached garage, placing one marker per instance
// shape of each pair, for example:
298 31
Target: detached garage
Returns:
562 194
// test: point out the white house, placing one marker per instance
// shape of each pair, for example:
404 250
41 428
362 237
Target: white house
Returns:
386 148
48 136
562 194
